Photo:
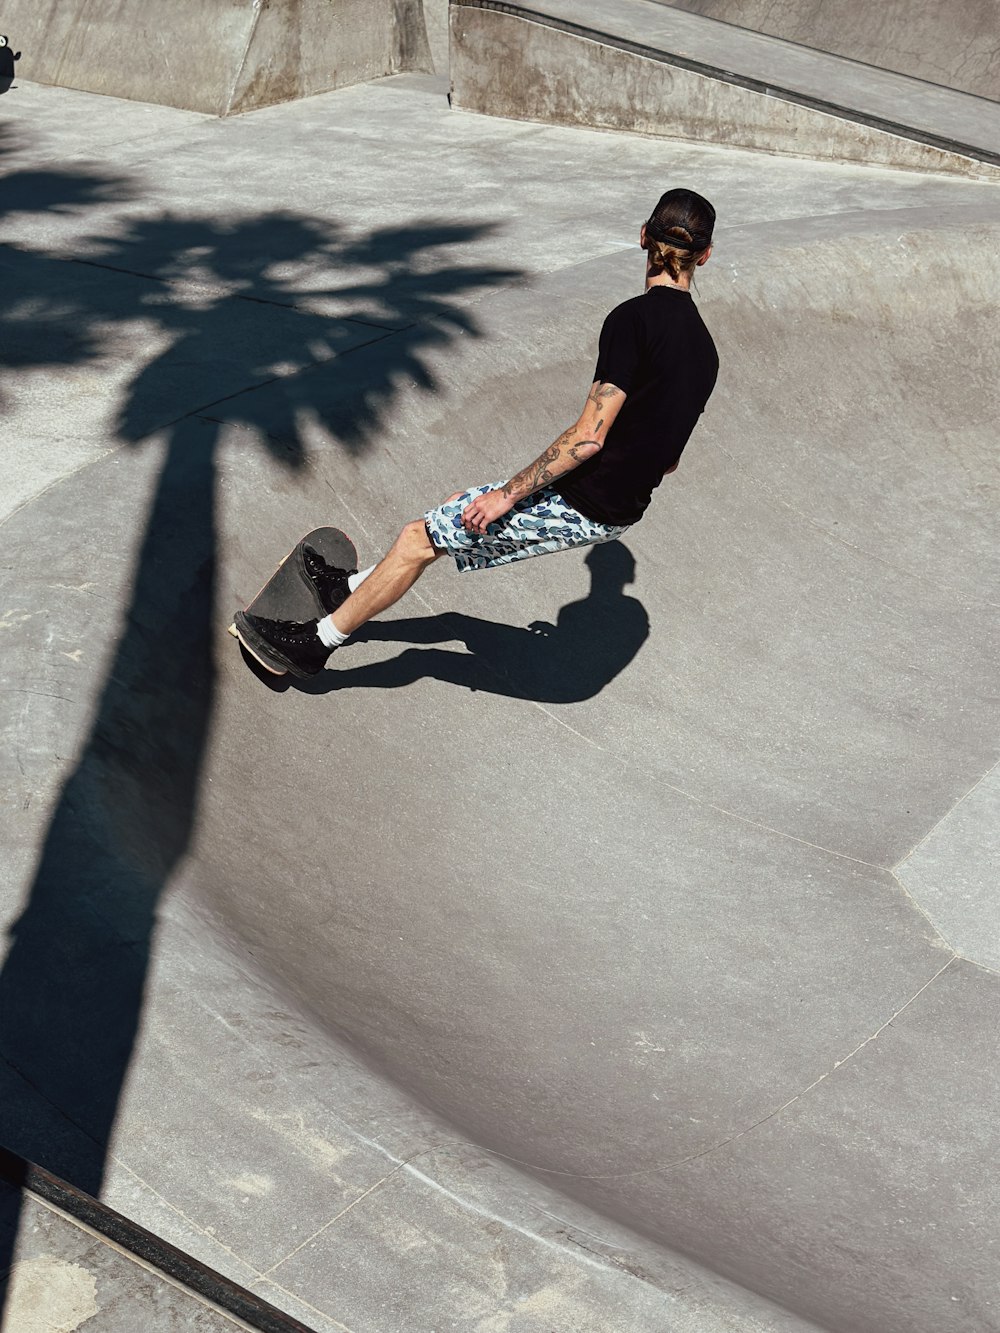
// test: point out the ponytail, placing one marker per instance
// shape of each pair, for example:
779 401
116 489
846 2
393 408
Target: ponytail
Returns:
675 252
678 232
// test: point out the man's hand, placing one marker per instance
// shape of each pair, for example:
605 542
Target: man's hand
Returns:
477 516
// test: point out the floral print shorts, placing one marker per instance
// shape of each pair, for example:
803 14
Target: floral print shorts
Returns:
539 524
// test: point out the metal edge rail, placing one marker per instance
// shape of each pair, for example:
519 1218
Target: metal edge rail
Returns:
188 1272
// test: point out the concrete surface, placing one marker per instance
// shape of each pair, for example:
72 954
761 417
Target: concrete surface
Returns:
635 65
630 973
216 56
66 1277
954 44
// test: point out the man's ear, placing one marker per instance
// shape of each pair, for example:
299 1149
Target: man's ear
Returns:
642 236
704 258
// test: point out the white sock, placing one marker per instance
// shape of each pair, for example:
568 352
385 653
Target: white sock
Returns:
329 634
354 581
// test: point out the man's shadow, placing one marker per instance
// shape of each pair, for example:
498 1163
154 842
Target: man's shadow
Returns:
574 659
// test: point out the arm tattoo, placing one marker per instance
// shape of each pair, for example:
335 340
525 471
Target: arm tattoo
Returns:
538 473
602 391
567 452
583 449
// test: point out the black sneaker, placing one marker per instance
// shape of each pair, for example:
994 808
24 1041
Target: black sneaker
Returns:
282 645
328 583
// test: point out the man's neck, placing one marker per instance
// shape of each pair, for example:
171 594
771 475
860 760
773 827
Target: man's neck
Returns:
665 280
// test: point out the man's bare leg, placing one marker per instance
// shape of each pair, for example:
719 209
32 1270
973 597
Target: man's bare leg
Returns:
411 553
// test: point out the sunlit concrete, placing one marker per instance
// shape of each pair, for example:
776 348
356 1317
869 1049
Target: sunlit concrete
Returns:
648 68
599 944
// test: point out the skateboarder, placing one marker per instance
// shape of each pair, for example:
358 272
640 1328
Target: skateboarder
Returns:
656 368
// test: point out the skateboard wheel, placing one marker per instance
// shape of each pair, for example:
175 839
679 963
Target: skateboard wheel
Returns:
3 40
232 631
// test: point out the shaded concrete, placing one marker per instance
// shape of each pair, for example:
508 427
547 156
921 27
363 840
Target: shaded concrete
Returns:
216 56
504 978
954 44
635 65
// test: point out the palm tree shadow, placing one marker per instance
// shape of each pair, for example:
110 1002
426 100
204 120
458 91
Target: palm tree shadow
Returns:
592 641
72 986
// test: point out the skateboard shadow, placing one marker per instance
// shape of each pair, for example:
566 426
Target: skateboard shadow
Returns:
592 641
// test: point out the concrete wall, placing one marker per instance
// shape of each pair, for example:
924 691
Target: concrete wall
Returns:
436 23
954 44
506 65
217 56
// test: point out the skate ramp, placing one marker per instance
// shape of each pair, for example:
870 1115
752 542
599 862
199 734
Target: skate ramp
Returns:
655 878
955 45
652 69
639 917
221 57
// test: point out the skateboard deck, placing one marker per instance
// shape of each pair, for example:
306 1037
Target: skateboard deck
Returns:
287 595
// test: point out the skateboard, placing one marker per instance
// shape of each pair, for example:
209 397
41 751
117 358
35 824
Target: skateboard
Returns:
288 594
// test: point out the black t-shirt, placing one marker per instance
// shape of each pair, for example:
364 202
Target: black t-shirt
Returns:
656 349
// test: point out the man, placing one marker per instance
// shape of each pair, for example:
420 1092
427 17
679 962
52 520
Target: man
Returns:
656 369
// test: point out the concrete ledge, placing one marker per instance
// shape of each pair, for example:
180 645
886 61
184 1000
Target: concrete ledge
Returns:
953 44
536 64
216 56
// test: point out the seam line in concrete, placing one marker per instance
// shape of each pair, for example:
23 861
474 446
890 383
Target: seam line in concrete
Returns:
947 815
304 1304
263 384
467 1205
897 870
919 907
343 1213
749 1129
11 1064
759 824
679 791
231 296
57 481
188 1221
721 75
245 57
